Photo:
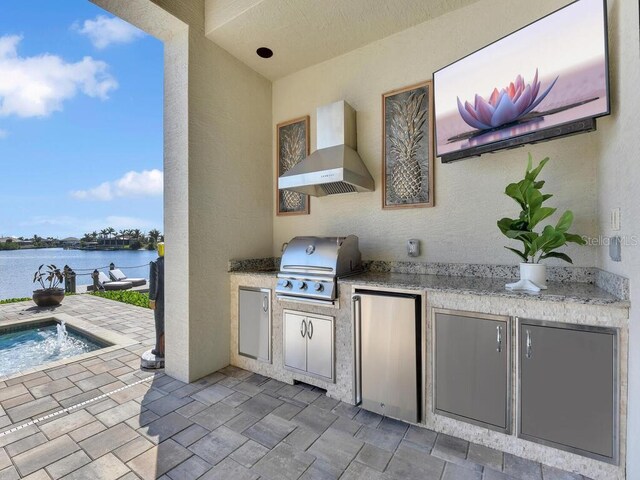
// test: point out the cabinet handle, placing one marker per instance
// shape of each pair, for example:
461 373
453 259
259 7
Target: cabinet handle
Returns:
310 330
303 328
499 338
529 344
265 304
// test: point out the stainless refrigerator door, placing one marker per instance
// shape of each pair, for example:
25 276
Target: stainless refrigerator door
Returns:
389 365
254 323
471 368
568 388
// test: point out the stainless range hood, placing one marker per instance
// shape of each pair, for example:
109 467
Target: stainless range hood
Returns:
335 167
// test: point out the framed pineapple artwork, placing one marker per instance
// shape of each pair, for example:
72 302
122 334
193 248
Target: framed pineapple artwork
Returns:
407 147
293 146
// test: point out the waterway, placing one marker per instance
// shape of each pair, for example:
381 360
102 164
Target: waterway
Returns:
18 266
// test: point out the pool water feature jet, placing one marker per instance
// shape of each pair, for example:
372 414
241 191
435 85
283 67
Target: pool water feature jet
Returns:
62 333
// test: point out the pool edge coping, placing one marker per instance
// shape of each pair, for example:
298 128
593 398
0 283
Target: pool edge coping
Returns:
117 341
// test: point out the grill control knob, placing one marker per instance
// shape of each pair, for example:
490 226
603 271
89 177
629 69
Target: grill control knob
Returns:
318 287
302 285
287 284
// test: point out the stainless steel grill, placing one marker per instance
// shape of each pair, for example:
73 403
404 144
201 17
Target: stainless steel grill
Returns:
310 267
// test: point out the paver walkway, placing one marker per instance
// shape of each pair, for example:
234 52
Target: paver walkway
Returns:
230 425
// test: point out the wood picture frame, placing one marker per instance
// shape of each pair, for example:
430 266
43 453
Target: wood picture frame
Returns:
290 151
408 154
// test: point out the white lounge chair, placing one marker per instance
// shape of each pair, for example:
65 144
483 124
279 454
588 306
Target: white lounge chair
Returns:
107 284
117 276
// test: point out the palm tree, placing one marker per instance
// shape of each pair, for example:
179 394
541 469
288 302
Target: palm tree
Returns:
110 232
154 234
121 234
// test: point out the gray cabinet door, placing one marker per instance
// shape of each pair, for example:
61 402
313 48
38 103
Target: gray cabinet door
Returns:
568 387
472 368
320 347
254 323
295 341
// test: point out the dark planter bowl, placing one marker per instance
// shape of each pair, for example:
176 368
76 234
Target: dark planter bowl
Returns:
49 297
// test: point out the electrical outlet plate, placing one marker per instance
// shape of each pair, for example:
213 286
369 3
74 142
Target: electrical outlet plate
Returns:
413 247
615 219
615 249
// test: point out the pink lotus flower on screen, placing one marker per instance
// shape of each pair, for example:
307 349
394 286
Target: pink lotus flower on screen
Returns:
504 106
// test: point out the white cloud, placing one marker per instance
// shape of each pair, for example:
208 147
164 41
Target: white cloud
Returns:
147 183
38 86
3 134
104 31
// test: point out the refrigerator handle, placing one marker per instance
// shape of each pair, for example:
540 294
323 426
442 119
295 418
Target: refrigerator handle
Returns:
356 313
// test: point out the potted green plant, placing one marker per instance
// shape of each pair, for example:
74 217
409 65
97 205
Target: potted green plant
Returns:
537 245
50 294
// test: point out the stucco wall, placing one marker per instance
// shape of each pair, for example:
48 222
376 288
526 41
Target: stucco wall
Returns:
217 157
618 153
468 194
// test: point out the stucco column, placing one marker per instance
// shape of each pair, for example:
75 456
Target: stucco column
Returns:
217 170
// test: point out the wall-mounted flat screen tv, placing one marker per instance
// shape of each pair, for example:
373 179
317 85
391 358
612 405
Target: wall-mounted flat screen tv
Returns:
546 80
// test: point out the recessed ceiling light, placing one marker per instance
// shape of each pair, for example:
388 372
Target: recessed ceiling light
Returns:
264 52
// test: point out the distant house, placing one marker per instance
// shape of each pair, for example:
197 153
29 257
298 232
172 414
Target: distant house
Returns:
22 243
71 242
117 241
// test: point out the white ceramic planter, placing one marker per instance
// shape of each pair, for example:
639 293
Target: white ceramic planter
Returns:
534 272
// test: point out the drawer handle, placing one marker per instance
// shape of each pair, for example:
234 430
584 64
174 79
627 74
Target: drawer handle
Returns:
310 331
529 345
499 339
265 304
303 328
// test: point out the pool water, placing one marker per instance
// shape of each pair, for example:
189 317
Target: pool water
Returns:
21 349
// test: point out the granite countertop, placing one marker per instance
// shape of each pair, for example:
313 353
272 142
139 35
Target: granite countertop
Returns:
574 292
585 293
261 273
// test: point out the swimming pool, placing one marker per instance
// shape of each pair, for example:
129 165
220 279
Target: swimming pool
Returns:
26 346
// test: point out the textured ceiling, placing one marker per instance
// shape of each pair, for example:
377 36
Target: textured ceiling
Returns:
305 32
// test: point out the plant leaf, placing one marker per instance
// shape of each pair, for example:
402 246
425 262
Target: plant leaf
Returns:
565 221
506 224
550 239
541 214
561 256
519 253
518 191
531 175
573 238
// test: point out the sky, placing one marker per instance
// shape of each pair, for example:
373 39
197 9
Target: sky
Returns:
81 97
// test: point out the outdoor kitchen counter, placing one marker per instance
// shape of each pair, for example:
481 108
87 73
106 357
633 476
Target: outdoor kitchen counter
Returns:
568 292
571 292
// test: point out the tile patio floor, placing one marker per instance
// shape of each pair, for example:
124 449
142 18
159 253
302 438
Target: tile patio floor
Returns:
230 425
